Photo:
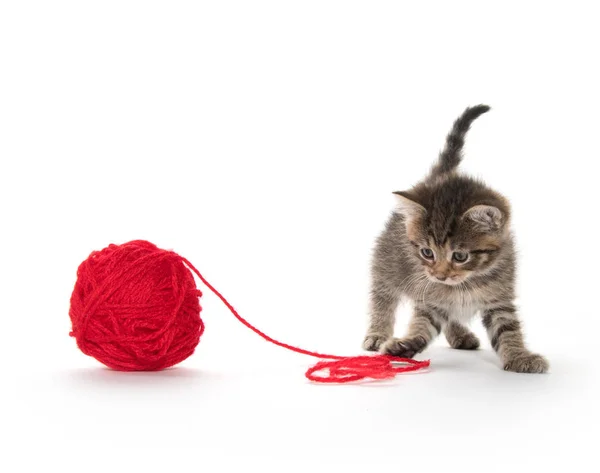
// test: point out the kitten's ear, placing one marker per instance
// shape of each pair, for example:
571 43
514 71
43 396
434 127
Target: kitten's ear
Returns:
487 218
407 206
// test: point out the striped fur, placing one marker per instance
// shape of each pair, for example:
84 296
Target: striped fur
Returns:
460 337
504 330
422 329
445 213
451 155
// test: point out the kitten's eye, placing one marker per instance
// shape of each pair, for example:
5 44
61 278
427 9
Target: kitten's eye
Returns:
427 253
460 256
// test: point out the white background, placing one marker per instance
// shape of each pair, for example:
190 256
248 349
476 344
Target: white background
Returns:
262 140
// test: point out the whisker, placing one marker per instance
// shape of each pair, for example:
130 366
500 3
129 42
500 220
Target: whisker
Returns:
469 289
425 291
414 283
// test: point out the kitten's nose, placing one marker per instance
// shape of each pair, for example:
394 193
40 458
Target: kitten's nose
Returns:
440 277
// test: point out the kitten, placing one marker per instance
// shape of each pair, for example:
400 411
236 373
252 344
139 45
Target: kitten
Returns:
448 247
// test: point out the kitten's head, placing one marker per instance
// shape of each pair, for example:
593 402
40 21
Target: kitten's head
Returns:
457 228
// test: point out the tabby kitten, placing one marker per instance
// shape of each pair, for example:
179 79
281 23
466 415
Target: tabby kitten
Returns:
448 247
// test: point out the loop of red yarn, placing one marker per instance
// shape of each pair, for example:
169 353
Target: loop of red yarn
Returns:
135 307
355 368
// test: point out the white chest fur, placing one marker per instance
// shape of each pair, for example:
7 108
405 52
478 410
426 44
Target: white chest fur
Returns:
460 306
463 312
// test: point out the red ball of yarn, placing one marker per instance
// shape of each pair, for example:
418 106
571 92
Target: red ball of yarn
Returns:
135 307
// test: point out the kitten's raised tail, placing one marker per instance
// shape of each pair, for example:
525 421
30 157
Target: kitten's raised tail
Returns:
451 155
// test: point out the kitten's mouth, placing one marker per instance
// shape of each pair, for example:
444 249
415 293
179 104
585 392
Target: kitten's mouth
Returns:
449 281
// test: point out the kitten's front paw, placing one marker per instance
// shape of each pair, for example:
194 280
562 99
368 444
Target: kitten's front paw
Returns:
466 342
373 341
404 347
527 363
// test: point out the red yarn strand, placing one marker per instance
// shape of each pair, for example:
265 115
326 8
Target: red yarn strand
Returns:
136 307
343 369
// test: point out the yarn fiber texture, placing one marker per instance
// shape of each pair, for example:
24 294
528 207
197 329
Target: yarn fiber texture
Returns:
135 307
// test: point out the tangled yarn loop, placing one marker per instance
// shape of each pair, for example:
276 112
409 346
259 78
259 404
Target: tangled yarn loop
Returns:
354 368
135 307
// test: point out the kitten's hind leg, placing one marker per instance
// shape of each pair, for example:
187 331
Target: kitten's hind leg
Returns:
460 337
424 326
